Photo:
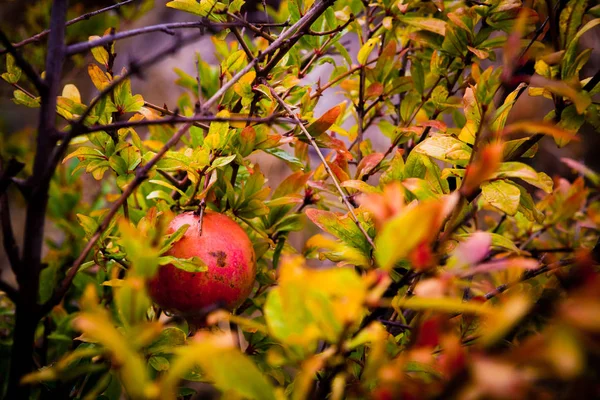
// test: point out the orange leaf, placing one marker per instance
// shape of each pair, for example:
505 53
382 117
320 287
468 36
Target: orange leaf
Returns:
483 167
325 121
539 127
367 164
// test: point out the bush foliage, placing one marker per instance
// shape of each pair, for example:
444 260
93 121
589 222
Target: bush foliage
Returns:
445 265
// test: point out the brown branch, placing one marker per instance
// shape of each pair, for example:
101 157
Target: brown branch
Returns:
529 275
242 22
12 168
8 236
10 291
275 118
325 165
89 15
166 111
165 28
244 45
283 43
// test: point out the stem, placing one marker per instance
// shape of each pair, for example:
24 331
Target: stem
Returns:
325 165
166 28
275 118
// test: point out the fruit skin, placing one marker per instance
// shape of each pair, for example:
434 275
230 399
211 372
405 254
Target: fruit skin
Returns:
229 255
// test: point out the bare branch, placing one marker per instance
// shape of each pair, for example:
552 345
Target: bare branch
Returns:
275 118
325 165
529 275
252 27
166 28
31 73
89 15
12 168
8 236
282 43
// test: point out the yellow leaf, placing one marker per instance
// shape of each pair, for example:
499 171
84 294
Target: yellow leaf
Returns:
366 49
70 91
99 78
415 224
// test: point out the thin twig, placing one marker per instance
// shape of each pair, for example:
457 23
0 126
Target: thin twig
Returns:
166 28
281 44
181 120
530 274
89 15
325 165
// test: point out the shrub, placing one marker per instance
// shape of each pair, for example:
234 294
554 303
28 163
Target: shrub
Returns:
446 266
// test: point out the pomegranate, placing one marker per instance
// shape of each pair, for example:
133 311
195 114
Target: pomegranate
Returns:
227 251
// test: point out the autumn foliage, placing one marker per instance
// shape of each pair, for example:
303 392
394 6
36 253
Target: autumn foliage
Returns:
407 245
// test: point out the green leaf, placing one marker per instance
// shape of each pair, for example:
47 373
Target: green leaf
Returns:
167 341
132 157
445 148
571 52
192 264
570 20
167 185
418 76
428 24
169 240
99 53
502 195
124 101
292 161
162 195
235 6
342 227
159 363
21 98
224 365
312 304
235 61
201 8
220 162
218 132
13 73
503 242
117 163
89 225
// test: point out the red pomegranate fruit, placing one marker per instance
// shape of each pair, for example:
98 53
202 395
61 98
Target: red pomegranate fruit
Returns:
227 251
